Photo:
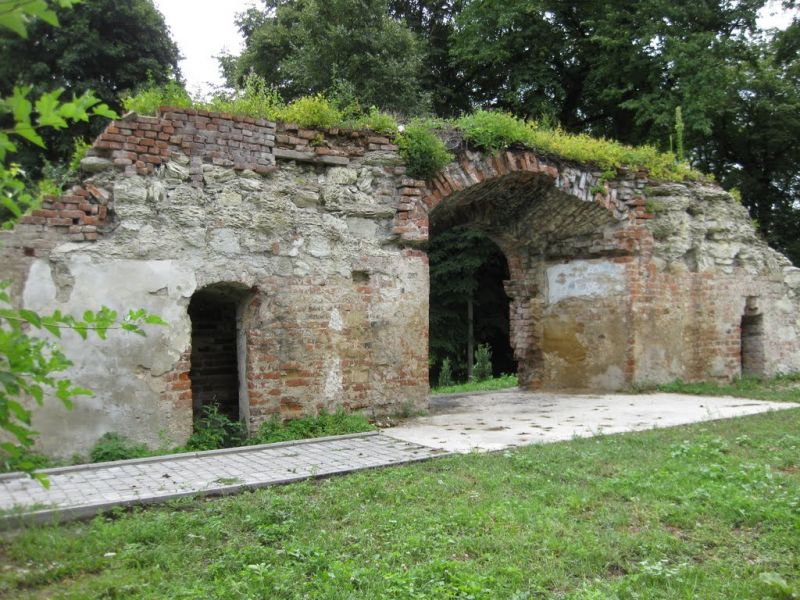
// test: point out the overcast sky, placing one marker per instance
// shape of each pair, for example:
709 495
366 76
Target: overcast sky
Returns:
204 29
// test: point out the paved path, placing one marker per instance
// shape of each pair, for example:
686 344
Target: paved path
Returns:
86 490
497 420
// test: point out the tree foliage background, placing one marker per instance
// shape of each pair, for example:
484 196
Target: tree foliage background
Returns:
106 46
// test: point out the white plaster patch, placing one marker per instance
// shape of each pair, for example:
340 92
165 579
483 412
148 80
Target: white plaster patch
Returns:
336 323
333 379
582 278
40 289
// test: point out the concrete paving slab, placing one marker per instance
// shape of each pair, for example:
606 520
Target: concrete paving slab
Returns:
85 490
508 418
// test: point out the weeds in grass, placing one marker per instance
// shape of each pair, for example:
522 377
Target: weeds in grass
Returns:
114 446
214 430
323 424
781 388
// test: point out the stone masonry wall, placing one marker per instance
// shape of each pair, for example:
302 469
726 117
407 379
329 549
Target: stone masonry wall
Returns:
620 282
318 239
335 312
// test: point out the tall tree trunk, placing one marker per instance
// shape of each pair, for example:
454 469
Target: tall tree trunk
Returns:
470 340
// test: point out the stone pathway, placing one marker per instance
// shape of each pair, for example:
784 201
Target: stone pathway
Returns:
85 490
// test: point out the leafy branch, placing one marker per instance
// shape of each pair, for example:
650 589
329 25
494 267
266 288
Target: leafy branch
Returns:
30 360
29 363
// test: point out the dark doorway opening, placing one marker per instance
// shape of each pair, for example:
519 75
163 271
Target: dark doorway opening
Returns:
214 371
467 268
753 363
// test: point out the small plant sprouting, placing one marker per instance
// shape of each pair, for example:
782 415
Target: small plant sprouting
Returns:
214 429
654 207
679 127
445 374
483 362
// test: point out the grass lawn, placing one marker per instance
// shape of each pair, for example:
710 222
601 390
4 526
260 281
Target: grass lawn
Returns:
704 511
776 389
496 383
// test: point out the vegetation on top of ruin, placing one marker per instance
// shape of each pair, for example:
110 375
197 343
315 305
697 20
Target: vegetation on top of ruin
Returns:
425 153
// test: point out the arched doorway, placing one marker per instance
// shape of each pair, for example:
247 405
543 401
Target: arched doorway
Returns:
217 370
566 257
468 304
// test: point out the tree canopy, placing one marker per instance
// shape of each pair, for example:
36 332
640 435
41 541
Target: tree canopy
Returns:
309 46
107 46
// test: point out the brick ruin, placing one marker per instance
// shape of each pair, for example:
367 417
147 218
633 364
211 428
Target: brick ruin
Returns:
290 265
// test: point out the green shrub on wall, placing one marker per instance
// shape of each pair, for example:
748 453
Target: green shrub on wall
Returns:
147 100
423 151
377 121
311 111
493 130
255 99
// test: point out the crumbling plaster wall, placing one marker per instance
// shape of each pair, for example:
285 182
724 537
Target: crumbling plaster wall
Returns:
336 313
611 282
620 282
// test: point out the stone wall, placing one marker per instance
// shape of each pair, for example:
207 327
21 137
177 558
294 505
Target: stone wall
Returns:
298 228
316 240
621 282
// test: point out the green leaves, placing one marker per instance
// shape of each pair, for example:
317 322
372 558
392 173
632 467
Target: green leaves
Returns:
16 14
29 363
50 112
423 151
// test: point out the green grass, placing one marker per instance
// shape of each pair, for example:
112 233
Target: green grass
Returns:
324 424
783 388
496 383
706 511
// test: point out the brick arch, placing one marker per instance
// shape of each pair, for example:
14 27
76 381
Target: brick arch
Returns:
540 212
621 199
